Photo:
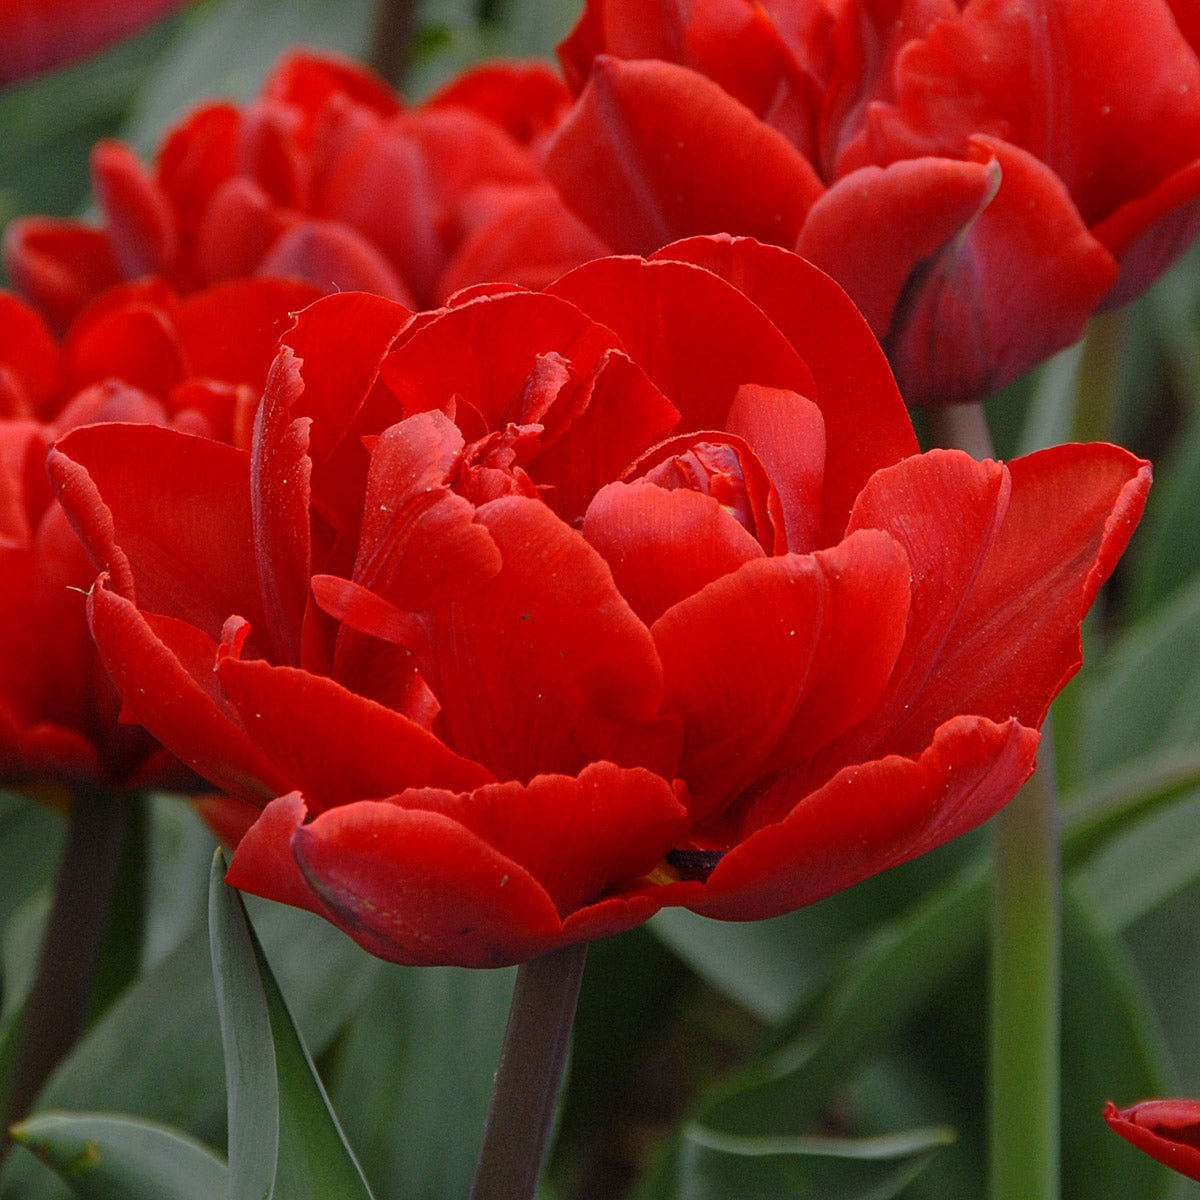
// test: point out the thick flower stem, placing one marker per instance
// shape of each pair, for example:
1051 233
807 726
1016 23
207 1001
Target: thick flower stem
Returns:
1026 944
529 1075
58 999
391 39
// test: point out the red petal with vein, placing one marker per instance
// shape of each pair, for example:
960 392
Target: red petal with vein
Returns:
178 508
945 510
769 663
1167 1130
418 887
866 422
279 496
140 221
1106 93
420 544
162 673
698 338
653 152
876 226
58 265
624 414
868 818
483 352
1015 640
546 667
662 546
578 837
336 385
334 746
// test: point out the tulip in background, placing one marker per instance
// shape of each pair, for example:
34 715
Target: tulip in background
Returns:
979 177
529 616
1168 1130
38 34
326 177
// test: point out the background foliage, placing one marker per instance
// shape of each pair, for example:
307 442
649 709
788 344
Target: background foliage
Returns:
836 1052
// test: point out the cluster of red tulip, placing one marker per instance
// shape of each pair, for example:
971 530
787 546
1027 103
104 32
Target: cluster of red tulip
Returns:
499 503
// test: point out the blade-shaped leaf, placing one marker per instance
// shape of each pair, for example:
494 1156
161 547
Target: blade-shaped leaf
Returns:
714 1166
285 1142
108 1157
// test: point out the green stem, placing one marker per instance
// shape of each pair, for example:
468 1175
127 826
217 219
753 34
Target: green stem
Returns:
58 998
1026 948
392 38
529 1076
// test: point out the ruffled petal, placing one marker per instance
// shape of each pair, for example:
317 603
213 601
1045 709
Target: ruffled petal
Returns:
868 818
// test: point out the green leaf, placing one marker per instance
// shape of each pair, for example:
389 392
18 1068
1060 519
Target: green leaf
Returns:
715 1166
1111 1050
285 1142
227 48
423 1048
106 1157
1147 694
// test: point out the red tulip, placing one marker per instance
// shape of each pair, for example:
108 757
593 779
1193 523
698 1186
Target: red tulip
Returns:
325 178
980 177
1168 1130
36 34
525 617
138 354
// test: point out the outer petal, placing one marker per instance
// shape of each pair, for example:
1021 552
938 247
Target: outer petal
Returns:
865 419
868 818
545 667
578 837
141 223
696 336
1168 1130
168 514
333 745
653 152
1016 287
164 686
1015 641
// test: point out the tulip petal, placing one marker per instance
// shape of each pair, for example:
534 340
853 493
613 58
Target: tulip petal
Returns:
866 423
167 686
1015 640
662 546
653 152
1167 1130
174 525
140 221
578 837
697 337
868 818
545 667
333 745
769 663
